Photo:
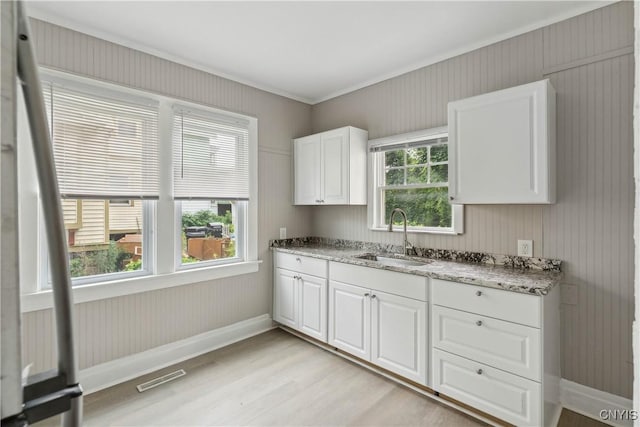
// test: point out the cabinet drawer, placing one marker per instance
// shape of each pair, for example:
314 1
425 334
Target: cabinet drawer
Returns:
497 303
403 284
506 396
504 345
302 264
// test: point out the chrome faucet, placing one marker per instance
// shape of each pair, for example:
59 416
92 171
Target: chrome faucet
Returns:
407 245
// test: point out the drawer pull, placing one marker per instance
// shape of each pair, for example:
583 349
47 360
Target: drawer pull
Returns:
479 323
367 294
373 296
479 372
479 293
298 259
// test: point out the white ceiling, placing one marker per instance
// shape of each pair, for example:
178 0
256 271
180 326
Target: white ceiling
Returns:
309 51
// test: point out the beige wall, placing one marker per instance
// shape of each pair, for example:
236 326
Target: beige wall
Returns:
117 327
589 60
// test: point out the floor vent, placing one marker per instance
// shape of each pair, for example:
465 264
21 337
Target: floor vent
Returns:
160 380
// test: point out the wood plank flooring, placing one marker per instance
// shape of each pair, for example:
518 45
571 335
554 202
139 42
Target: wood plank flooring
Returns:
273 379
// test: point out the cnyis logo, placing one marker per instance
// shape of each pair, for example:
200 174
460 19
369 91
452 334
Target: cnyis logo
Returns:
619 415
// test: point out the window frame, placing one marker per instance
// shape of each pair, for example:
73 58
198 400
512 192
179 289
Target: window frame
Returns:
376 187
159 270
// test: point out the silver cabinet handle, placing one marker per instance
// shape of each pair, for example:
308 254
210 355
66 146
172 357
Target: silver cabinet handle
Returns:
298 259
479 293
479 372
479 323
373 296
367 294
317 200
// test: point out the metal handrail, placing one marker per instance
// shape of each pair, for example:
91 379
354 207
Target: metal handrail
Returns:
54 223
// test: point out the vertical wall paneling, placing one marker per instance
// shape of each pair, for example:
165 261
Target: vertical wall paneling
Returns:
590 63
117 327
591 225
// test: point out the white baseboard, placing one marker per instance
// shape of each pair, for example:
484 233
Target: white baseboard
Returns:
120 370
590 402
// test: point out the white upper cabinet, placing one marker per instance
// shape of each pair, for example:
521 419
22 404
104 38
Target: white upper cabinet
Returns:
331 168
502 146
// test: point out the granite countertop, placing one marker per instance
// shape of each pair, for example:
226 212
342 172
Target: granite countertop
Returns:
535 276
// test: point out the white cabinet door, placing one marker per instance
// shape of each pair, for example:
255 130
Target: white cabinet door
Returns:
502 146
334 187
313 307
399 335
350 319
506 396
307 155
285 307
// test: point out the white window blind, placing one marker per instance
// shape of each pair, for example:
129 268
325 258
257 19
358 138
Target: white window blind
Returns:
104 147
210 156
376 148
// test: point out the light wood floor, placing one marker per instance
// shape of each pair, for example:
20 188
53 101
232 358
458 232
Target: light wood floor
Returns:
274 379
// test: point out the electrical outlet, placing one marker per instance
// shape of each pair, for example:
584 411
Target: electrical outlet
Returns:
525 248
283 232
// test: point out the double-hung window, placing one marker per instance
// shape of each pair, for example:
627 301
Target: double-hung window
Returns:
149 185
106 157
410 172
210 186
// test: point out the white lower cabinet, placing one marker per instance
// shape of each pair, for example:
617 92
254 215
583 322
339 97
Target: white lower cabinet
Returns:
512 347
300 299
398 335
349 319
313 306
506 396
386 329
285 304
488 351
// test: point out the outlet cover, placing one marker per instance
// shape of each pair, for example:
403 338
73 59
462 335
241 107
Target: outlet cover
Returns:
525 248
283 232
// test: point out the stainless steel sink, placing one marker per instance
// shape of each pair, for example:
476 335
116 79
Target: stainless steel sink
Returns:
394 260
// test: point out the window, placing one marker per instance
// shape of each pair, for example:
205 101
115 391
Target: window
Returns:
410 172
106 155
211 185
124 218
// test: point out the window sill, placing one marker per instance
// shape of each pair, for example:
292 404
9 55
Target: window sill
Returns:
398 229
92 292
